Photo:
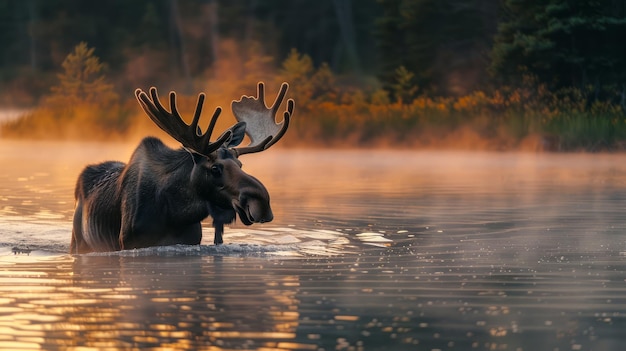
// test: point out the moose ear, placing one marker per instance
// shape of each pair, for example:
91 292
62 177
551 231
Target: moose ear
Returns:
236 137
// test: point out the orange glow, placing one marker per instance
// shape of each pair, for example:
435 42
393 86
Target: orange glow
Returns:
347 318
252 335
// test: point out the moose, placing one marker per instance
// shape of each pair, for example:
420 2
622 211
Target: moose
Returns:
161 196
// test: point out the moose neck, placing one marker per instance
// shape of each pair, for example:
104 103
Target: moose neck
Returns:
180 160
195 157
190 164
194 167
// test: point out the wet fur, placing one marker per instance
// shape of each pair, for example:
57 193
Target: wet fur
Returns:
150 201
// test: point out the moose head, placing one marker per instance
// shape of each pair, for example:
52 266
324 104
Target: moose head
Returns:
216 174
161 195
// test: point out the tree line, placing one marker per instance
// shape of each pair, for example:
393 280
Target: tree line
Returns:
176 41
551 69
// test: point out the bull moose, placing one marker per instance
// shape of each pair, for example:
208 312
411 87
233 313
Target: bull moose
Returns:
161 195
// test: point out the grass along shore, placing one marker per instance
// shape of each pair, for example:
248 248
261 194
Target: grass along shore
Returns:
498 121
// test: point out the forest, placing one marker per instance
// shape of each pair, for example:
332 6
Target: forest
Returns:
477 74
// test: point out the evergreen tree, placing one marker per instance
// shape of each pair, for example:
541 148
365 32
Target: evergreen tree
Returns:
404 87
82 81
570 43
442 41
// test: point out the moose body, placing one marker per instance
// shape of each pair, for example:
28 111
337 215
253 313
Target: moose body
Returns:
161 196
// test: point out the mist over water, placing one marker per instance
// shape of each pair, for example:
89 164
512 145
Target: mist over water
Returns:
7 115
376 249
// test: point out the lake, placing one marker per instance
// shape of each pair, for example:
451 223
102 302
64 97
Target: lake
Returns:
369 250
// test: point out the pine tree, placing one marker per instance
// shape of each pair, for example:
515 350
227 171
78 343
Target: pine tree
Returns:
82 81
404 88
569 43
441 41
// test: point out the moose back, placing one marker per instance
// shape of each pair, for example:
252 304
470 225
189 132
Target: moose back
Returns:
161 196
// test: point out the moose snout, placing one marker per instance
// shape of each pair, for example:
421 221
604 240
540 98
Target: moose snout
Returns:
260 212
254 209
252 202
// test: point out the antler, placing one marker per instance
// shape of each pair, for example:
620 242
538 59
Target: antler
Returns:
172 123
260 120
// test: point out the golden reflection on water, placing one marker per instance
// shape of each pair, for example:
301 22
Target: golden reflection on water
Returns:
117 302
411 249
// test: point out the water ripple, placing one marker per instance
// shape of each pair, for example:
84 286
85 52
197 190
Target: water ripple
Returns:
433 251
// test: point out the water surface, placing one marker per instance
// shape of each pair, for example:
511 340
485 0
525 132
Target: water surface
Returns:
369 250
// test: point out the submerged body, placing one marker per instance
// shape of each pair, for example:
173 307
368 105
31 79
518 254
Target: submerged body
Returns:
160 198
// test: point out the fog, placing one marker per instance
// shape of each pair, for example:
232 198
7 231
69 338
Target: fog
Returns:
511 250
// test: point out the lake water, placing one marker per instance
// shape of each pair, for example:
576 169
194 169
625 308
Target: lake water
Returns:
369 250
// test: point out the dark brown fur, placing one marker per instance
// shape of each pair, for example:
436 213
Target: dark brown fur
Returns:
161 196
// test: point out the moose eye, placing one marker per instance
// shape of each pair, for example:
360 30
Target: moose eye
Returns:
216 170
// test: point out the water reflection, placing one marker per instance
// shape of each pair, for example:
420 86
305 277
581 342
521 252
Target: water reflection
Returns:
440 299
185 303
178 302
371 250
